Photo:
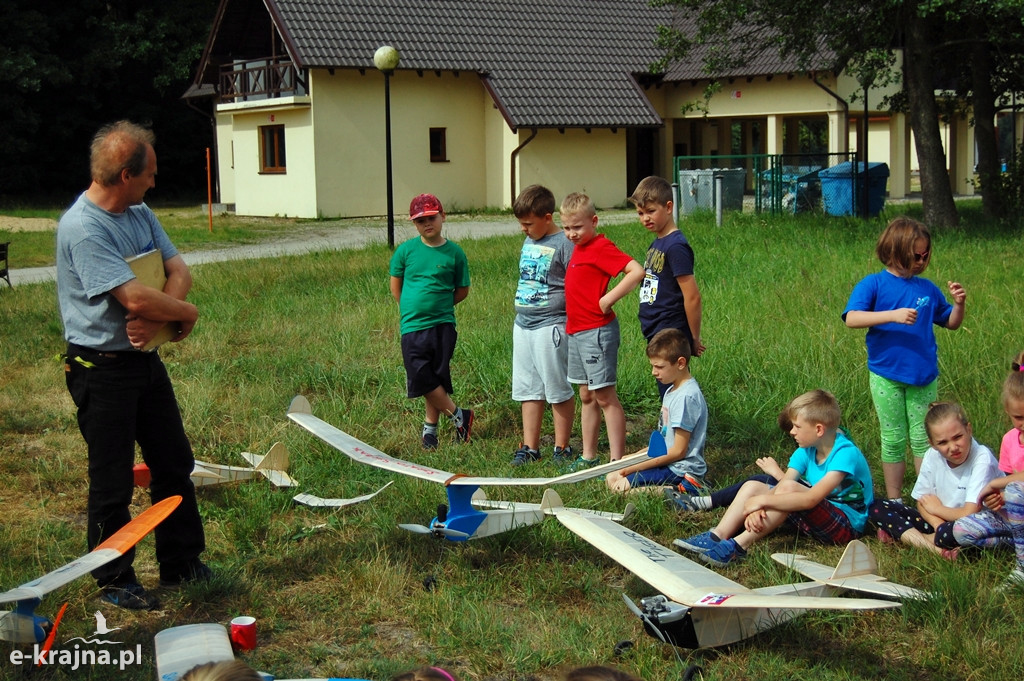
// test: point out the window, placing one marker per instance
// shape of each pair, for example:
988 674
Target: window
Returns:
272 157
438 145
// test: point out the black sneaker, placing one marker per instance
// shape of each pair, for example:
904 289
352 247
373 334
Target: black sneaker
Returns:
429 441
679 501
563 455
129 595
462 432
195 571
525 455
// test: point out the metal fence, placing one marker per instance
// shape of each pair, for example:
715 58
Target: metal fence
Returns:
825 183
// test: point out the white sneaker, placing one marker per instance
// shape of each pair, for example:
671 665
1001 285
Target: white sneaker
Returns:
1015 580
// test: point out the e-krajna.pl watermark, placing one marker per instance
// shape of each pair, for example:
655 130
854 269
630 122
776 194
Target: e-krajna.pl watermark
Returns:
73 658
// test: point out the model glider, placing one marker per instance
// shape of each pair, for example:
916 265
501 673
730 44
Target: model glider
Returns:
458 520
273 467
318 502
698 607
857 570
22 625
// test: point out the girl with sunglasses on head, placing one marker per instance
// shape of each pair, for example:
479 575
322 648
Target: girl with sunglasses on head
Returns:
899 308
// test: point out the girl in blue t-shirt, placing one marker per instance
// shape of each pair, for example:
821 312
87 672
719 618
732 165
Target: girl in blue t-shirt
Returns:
898 308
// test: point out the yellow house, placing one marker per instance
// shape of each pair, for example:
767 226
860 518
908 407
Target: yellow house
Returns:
490 97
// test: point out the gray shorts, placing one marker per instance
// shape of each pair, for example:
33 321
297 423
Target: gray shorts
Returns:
539 364
594 356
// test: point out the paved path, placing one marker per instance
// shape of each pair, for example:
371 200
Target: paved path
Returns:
334 240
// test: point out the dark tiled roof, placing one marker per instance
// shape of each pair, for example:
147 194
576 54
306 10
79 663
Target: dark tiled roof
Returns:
761 55
550 63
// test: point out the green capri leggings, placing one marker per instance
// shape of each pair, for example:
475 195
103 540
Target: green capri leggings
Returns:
901 409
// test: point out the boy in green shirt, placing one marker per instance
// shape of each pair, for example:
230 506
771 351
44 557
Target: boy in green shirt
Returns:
429 277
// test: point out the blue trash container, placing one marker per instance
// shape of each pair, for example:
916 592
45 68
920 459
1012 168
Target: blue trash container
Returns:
797 187
841 187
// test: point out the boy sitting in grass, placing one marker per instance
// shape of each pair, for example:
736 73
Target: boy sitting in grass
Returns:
825 491
683 422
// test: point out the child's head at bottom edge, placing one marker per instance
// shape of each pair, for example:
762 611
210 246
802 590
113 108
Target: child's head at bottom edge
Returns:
227 670
598 673
426 673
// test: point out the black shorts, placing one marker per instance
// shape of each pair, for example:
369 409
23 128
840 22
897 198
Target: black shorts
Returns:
427 356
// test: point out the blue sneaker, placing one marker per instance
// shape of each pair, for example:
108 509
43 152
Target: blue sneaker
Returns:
724 552
702 543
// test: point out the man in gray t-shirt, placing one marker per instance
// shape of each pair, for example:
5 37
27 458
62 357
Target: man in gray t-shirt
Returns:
124 395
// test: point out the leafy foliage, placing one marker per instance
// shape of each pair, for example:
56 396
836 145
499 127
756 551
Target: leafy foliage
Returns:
66 68
973 48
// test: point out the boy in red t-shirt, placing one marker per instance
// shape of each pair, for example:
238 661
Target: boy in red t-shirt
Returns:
592 327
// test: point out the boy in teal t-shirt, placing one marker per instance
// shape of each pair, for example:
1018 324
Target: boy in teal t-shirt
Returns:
429 277
824 492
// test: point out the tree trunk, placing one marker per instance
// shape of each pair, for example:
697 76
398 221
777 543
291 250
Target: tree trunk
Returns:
983 101
918 72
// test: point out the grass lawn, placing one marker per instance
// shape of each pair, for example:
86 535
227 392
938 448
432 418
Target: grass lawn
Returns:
342 593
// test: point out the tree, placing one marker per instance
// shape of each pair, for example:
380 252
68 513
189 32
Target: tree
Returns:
991 35
66 68
854 34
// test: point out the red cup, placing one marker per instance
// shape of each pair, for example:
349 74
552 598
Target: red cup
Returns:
141 473
243 633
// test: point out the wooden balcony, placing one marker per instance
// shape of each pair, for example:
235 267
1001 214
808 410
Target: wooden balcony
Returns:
256 79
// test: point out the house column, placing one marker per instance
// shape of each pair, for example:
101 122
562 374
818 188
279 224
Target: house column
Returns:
773 135
666 149
724 142
961 156
791 139
899 156
838 132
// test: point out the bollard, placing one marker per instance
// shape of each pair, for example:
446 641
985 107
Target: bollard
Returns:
718 199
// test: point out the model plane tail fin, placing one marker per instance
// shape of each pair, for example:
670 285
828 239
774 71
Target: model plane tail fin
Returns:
551 502
275 460
300 405
656 445
857 560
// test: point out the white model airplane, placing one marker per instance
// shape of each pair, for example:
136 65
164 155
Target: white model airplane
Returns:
857 571
700 608
273 466
459 520
22 625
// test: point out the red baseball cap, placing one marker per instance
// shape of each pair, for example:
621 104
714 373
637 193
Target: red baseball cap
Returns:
424 204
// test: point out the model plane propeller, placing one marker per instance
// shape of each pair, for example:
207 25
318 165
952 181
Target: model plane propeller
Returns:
459 520
701 608
22 625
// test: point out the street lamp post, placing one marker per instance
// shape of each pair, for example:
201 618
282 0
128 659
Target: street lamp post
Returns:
386 60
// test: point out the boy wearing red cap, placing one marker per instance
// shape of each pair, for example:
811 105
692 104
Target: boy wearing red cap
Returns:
429 277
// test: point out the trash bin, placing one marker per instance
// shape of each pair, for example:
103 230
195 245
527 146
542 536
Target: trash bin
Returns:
793 189
697 189
842 186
